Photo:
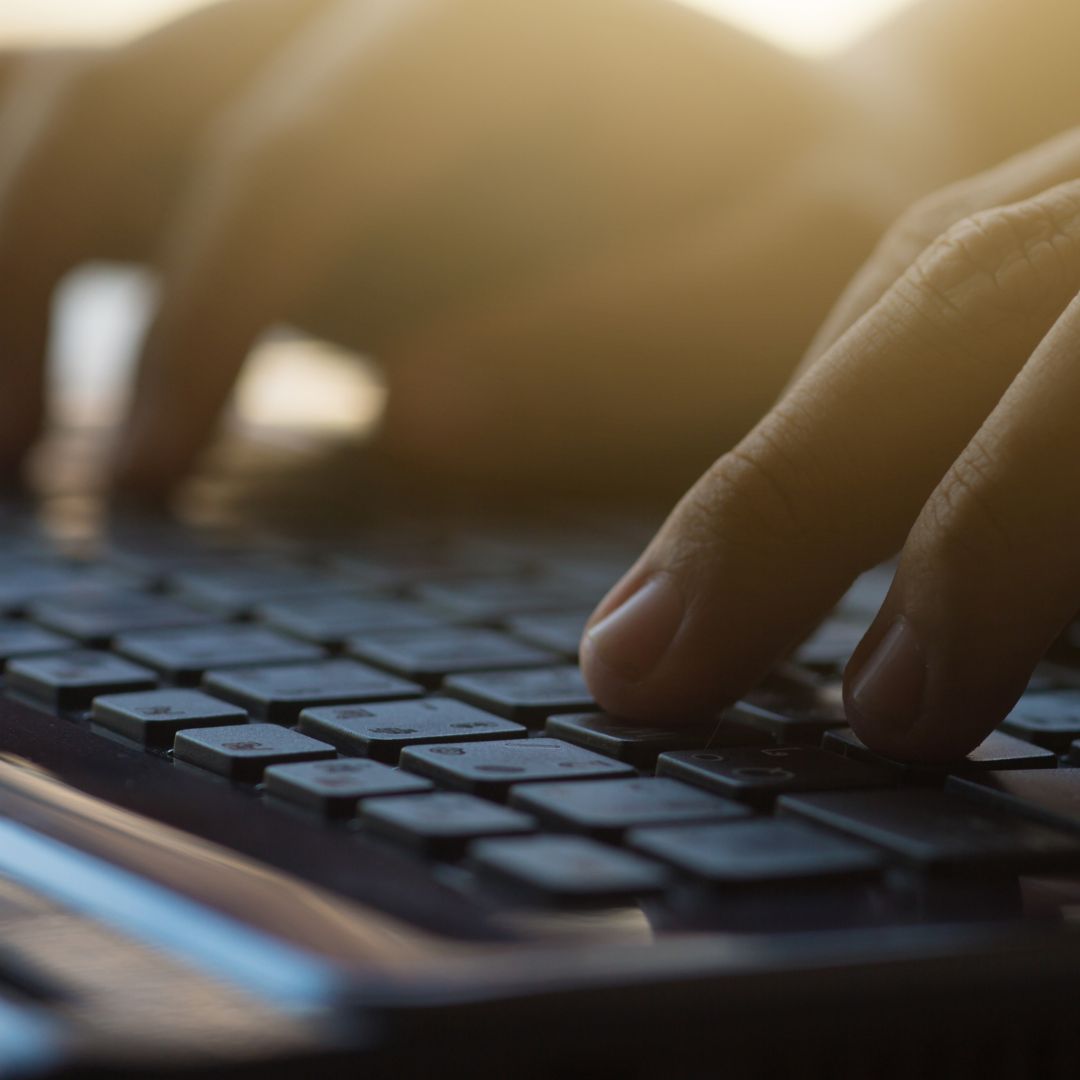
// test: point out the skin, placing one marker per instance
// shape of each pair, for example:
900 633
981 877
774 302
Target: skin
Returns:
935 415
588 239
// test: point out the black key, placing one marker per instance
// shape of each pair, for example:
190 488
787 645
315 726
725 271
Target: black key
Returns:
605 809
557 630
1050 720
494 599
867 593
759 776
428 656
18 638
567 869
996 751
233 590
797 721
490 768
1039 794
280 694
22 582
334 788
242 752
528 696
638 744
383 731
153 717
184 654
329 620
941 829
750 853
71 680
442 824
96 618
829 648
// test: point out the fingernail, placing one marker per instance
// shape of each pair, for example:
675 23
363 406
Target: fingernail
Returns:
633 638
888 689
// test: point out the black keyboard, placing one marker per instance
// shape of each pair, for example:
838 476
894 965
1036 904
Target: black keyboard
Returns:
324 699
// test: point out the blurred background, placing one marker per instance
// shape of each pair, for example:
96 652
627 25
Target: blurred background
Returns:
294 390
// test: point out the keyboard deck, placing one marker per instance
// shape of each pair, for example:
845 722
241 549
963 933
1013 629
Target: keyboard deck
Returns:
423 699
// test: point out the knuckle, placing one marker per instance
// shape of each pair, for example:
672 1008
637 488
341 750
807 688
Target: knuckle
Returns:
1005 266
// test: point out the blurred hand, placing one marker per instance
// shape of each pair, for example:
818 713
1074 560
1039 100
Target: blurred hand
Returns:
936 413
519 206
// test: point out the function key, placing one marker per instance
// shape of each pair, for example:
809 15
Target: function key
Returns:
567 869
762 852
490 768
333 788
184 654
759 776
329 620
383 731
442 824
1051 720
280 693
528 696
243 752
638 744
557 630
996 751
605 809
155 716
71 680
19 638
430 655
96 618
941 830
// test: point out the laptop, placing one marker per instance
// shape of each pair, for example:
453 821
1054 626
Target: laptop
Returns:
336 802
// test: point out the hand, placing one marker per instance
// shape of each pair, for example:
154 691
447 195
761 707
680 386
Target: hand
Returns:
937 414
565 185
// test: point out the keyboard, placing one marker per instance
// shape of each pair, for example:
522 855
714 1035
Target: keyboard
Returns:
398 720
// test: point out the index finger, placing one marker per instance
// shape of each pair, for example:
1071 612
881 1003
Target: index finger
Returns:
830 481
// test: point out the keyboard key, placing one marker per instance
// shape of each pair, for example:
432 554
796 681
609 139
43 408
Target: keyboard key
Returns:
996 751
490 768
334 788
428 656
1050 720
528 696
559 631
24 581
941 830
605 809
567 869
383 731
638 744
279 694
153 717
95 618
329 620
494 599
1052 796
764 852
184 654
19 638
233 590
243 752
790 720
71 680
441 825
829 648
759 776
